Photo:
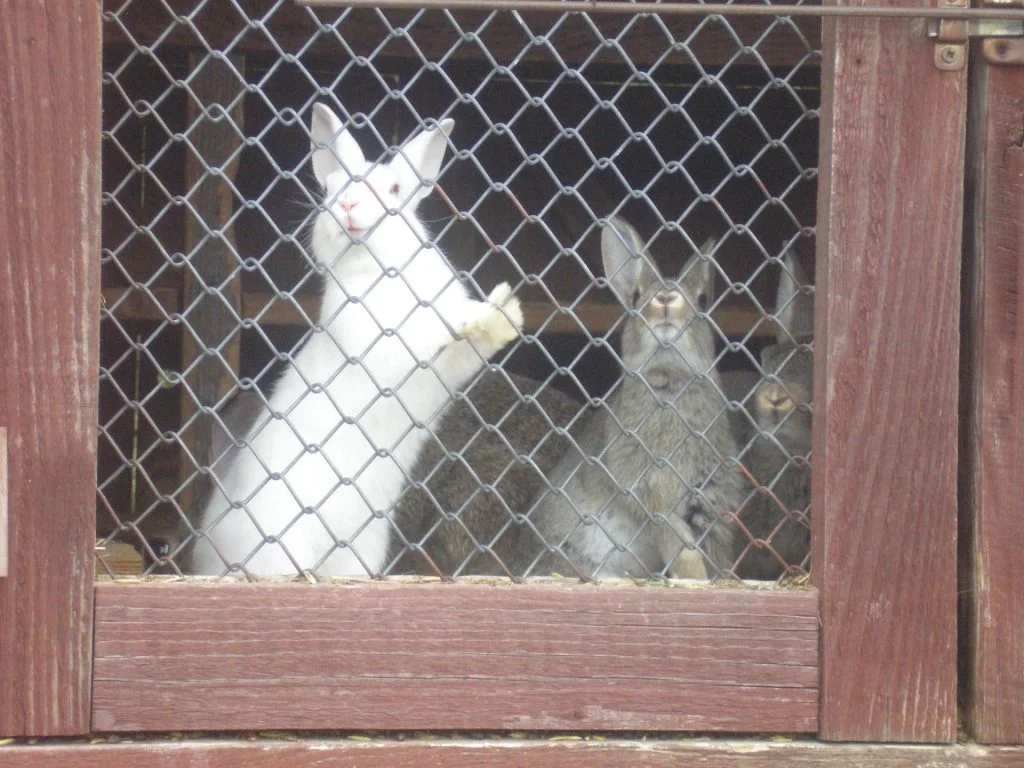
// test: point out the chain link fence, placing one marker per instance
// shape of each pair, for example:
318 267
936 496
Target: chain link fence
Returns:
455 293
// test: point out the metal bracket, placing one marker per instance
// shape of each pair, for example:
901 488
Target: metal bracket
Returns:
1003 41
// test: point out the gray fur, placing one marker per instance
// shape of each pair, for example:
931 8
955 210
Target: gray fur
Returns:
641 494
450 519
781 452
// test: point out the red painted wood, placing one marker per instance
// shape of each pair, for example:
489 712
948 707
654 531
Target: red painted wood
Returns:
49 315
993 398
453 657
886 353
506 753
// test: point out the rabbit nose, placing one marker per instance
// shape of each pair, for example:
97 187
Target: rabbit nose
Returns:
347 205
668 299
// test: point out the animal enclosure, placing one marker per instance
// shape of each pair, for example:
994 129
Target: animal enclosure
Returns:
453 369
576 139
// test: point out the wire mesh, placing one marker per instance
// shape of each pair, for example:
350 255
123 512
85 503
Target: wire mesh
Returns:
566 333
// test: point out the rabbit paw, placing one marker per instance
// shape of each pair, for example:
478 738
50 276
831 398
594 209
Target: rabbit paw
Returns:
500 322
689 565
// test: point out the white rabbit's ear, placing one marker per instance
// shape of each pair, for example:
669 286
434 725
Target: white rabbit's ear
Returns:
420 159
622 253
794 308
330 143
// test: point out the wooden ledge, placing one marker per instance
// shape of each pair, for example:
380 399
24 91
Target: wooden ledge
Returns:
506 752
408 657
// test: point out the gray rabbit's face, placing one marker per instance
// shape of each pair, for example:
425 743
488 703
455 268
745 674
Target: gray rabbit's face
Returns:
671 328
782 402
669 336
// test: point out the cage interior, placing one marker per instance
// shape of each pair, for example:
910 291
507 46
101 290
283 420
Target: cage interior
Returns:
603 440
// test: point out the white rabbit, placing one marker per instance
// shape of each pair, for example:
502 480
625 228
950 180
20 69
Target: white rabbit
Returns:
313 488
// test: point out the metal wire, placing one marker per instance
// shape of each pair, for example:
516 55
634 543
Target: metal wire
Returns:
212 289
624 7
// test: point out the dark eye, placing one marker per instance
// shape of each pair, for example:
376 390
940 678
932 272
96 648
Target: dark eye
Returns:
636 297
394 189
702 302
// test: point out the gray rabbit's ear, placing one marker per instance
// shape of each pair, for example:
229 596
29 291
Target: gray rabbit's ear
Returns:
699 271
622 252
793 306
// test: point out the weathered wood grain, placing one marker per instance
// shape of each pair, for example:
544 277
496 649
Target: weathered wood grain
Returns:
505 37
885 395
536 753
454 657
3 503
992 523
49 350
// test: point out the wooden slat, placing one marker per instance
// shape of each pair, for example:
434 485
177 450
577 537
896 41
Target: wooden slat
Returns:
507 753
49 349
293 28
3 503
597 317
453 657
216 120
885 395
993 451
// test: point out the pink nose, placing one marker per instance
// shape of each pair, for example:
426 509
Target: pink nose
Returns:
346 205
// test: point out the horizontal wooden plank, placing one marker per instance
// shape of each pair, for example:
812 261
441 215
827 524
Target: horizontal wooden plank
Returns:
466 656
269 310
582 753
507 38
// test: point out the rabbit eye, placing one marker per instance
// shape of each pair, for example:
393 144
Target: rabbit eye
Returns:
636 297
702 302
394 189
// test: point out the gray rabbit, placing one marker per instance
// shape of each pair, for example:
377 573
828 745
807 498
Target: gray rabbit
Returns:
780 453
451 522
641 493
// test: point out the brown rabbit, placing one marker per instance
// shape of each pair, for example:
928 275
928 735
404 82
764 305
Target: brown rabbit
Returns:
449 522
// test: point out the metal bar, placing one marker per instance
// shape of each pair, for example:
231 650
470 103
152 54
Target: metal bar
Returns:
676 9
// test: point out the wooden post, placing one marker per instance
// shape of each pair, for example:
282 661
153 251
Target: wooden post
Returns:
885 395
215 101
4 554
49 358
992 513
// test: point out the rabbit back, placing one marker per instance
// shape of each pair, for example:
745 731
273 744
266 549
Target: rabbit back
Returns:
452 519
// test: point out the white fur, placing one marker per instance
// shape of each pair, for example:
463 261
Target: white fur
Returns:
379 269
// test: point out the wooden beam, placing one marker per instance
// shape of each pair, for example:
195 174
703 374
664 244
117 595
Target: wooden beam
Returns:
4 527
596 317
49 358
429 656
505 37
885 391
992 513
580 752
216 125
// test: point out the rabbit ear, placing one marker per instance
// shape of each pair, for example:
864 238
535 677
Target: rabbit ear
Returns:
420 159
700 268
794 308
330 143
622 253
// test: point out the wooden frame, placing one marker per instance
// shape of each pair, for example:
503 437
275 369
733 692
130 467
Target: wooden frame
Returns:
49 376
884 501
992 529
885 450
